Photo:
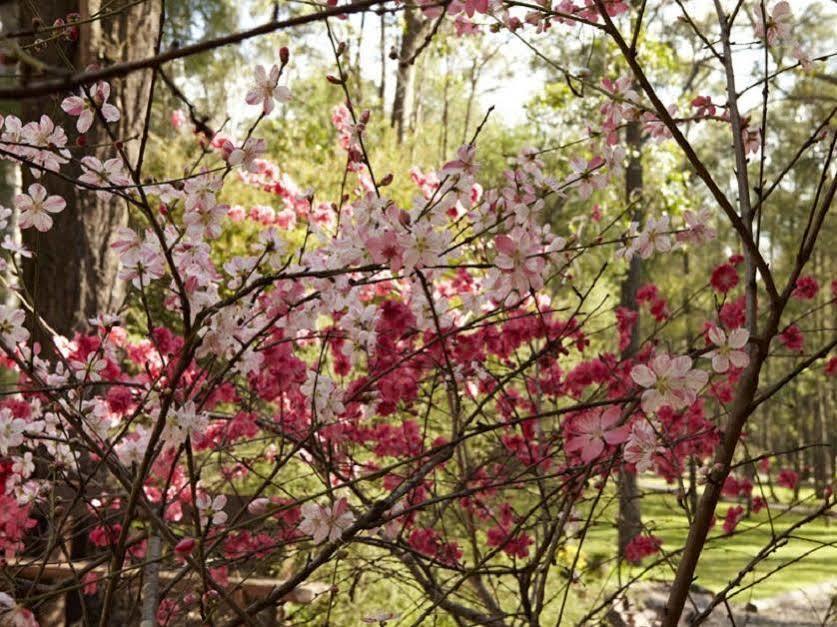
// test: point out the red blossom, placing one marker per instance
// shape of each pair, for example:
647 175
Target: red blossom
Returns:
788 478
641 546
732 518
724 278
792 338
806 288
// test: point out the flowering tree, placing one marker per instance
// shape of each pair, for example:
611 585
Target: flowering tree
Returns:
402 389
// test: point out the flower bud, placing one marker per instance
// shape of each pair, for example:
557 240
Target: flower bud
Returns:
259 506
184 547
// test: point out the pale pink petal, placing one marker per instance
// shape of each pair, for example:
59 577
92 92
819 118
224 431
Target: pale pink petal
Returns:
651 401
644 376
73 105
610 417
575 443
696 379
320 534
739 359
110 113
42 222
85 121
54 204
505 245
738 338
661 364
716 336
680 365
236 157
592 450
103 89
617 435
23 202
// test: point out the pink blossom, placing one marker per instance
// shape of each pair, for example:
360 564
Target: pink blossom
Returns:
211 509
266 89
587 175
103 177
465 163
704 105
697 230
669 381
642 445
85 107
590 432
177 119
778 25
36 207
518 255
248 154
384 247
468 6
259 506
326 522
423 246
729 348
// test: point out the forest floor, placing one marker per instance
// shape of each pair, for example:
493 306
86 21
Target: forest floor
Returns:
793 586
810 606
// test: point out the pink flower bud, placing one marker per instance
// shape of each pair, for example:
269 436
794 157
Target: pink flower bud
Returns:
257 507
185 546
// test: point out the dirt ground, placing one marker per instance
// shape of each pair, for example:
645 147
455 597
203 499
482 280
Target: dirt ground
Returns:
813 606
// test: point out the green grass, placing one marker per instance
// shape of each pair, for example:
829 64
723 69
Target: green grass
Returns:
724 556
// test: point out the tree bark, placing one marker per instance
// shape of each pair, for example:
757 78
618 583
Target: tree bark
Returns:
630 515
415 30
74 274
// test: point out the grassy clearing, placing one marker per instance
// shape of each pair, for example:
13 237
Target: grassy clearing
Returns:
724 556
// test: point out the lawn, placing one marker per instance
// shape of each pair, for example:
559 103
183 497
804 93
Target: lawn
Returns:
724 556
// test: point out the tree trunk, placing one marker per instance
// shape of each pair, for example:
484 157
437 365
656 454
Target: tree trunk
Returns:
74 274
9 171
415 30
630 515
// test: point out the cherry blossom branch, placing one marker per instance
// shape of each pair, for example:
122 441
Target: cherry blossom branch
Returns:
72 81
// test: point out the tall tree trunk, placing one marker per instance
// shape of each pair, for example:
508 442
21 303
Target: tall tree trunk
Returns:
820 451
630 515
416 28
9 171
382 86
74 274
